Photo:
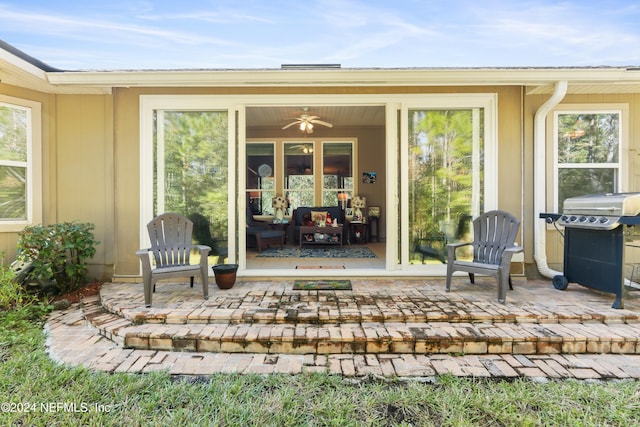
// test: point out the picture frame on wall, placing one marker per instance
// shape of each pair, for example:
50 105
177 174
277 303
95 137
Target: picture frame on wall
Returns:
369 177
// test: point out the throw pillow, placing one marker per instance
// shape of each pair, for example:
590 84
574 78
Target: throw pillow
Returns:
317 217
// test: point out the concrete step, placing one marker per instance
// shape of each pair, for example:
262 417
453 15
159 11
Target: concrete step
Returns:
328 308
376 338
494 335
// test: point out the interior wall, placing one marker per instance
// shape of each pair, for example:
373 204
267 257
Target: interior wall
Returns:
370 157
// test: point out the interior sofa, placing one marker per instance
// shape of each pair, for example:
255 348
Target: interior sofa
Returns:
298 215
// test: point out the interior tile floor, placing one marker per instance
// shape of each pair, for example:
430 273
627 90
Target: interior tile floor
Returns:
256 262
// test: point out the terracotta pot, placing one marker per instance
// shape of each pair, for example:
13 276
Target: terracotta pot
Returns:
225 275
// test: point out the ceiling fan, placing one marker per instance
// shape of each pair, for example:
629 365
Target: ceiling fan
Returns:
305 122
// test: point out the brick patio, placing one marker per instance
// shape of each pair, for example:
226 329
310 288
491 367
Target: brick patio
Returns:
383 327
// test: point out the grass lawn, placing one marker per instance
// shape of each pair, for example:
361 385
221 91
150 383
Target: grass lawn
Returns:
35 391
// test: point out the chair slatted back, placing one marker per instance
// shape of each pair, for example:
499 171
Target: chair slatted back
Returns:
170 235
493 232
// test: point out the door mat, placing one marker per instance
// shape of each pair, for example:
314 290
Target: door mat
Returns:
322 285
320 267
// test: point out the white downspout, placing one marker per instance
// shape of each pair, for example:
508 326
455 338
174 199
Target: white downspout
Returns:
539 176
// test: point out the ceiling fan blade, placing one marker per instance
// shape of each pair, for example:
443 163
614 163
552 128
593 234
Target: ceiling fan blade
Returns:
320 122
289 125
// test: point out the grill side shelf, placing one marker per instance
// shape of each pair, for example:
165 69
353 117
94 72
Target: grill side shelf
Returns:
629 220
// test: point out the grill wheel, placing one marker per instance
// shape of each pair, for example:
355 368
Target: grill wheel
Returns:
560 282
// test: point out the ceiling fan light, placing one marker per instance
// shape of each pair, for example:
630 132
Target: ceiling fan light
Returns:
303 125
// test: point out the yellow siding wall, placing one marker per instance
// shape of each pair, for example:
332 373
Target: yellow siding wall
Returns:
8 240
510 151
77 162
554 242
81 161
127 181
91 161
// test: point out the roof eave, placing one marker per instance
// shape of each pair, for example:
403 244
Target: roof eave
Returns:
345 77
21 70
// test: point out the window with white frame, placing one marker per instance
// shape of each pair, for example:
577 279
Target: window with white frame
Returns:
20 164
310 173
588 152
300 179
260 177
337 172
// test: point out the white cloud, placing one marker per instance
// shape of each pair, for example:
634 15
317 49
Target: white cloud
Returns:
253 33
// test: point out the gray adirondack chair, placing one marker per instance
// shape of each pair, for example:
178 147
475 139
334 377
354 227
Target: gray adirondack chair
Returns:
494 233
170 235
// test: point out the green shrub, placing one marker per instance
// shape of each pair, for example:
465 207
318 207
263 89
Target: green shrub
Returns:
12 295
58 252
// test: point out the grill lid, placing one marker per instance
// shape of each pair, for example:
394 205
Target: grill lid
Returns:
599 211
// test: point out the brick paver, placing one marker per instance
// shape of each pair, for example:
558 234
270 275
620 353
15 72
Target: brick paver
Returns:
381 328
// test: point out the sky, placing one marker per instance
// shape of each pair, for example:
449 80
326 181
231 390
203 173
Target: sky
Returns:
254 34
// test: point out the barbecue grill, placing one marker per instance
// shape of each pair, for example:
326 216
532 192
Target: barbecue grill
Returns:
594 240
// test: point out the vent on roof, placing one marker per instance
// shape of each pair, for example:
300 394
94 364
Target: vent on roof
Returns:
309 66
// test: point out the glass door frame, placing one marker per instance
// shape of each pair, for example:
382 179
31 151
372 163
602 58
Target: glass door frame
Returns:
395 186
151 103
488 102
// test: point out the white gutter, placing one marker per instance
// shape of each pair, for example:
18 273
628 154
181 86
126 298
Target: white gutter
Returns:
540 182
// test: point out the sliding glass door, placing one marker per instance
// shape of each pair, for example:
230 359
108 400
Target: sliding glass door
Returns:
187 148
450 178
446 179
190 174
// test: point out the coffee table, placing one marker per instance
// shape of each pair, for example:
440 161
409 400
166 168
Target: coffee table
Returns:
329 231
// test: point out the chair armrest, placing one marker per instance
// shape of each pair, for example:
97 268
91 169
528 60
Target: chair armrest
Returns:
508 253
439 237
514 249
261 224
143 254
204 254
451 249
457 245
